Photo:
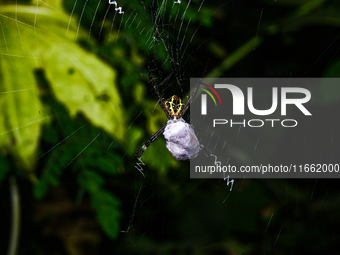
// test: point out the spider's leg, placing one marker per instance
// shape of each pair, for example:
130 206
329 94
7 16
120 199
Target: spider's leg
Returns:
150 141
191 97
194 92
159 98
206 151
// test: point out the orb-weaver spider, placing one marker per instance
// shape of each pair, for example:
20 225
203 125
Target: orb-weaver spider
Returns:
180 138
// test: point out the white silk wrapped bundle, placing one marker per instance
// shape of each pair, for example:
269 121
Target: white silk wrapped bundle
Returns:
181 140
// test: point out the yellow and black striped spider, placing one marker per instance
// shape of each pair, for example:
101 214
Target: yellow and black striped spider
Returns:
180 138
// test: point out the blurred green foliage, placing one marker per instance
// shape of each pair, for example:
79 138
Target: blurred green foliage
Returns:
76 104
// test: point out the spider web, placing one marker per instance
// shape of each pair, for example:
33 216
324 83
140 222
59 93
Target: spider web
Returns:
165 211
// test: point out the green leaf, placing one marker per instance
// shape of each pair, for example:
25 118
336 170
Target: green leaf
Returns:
105 204
91 181
56 4
40 189
20 121
105 165
108 213
37 37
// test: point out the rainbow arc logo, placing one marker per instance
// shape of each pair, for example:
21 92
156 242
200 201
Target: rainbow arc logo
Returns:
204 97
208 92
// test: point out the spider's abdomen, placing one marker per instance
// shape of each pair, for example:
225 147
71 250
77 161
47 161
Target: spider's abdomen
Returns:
181 140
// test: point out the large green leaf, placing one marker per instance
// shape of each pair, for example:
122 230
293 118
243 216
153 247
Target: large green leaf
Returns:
103 201
34 37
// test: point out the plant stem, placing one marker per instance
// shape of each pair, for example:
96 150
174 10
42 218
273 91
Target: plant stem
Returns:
15 228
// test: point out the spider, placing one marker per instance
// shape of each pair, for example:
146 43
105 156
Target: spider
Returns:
180 137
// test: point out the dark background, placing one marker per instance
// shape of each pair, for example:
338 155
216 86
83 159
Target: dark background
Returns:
167 212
